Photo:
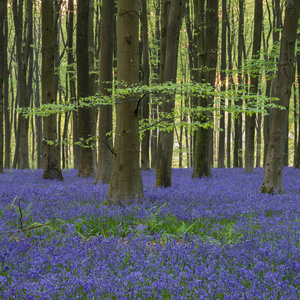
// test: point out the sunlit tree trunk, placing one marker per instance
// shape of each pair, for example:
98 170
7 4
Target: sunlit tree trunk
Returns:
51 151
105 83
126 180
3 53
273 169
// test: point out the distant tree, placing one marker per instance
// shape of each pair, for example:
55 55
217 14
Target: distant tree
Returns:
145 145
105 85
51 151
23 30
221 157
126 180
3 53
250 120
274 162
85 114
164 157
202 160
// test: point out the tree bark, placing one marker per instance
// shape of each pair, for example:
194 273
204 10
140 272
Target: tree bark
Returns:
126 180
250 120
145 158
105 84
202 159
85 114
273 170
221 156
165 139
3 53
51 150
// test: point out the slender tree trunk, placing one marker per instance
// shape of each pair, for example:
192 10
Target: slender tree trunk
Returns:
3 53
51 151
85 114
165 139
221 156
202 160
156 68
145 158
297 164
273 170
250 120
126 180
105 84
22 47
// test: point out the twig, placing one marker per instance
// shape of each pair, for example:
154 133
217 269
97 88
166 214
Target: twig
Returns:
21 215
137 107
111 150
33 227
13 202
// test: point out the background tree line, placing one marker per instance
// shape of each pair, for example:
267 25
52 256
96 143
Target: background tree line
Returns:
58 52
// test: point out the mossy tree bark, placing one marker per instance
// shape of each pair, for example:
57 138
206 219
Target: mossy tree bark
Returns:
105 85
164 158
273 169
202 160
51 150
250 120
85 114
126 180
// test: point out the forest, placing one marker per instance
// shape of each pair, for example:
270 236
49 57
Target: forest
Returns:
149 149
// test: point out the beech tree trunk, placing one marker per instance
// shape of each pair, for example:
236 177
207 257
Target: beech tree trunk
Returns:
105 84
51 150
163 165
126 180
3 8
221 156
85 114
202 159
273 169
145 157
250 120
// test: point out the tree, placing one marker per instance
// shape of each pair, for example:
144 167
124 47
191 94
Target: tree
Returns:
221 157
145 159
3 9
273 169
85 114
126 180
105 83
22 29
51 151
250 120
164 158
202 156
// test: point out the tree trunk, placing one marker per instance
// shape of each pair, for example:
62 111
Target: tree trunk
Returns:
51 151
3 53
156 68
23 48
221 156
250 120
145 158
202 159
126 180
165 139
85 114
105 84
273 170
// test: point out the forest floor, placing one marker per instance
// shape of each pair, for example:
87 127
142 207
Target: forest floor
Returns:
210 238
